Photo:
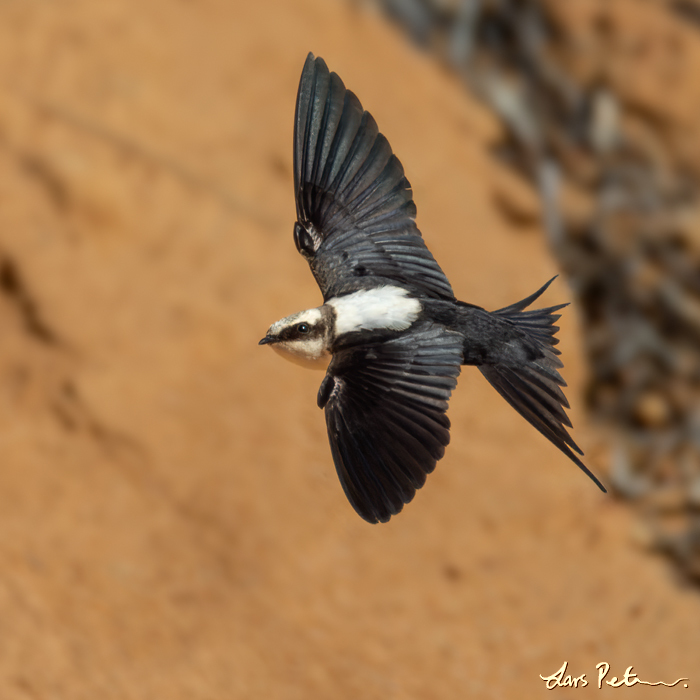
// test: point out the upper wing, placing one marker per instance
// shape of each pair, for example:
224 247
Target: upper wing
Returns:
355 208
385 412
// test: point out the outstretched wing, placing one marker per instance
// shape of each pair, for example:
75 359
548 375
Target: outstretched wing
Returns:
385 412
355 210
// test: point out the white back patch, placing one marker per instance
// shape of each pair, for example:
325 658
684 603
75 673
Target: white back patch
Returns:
381 307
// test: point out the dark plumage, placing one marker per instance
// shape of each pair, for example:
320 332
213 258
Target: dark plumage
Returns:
390 321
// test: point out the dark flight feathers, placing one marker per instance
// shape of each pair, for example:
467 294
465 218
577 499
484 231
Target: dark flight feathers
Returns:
356 216
385 413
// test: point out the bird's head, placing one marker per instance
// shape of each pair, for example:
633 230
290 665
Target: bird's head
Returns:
302 337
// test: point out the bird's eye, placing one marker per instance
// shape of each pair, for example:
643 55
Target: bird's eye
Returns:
303 328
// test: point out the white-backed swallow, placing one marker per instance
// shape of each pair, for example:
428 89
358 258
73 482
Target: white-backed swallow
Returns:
393 330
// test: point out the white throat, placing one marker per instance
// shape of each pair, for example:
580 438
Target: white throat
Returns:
382 307
310 355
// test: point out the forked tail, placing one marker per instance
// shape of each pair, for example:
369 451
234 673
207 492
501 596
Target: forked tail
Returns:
531 383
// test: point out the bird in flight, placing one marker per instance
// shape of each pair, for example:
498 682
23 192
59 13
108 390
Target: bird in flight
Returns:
394 333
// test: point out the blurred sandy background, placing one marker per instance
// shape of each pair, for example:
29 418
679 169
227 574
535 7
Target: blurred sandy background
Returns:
172 526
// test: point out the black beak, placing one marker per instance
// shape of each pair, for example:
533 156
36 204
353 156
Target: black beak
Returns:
267 339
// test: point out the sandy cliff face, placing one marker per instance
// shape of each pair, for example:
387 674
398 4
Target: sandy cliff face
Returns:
172 524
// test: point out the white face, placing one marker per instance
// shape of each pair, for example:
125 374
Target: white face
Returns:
301 338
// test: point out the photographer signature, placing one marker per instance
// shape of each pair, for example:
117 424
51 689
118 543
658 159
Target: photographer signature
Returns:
562 679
